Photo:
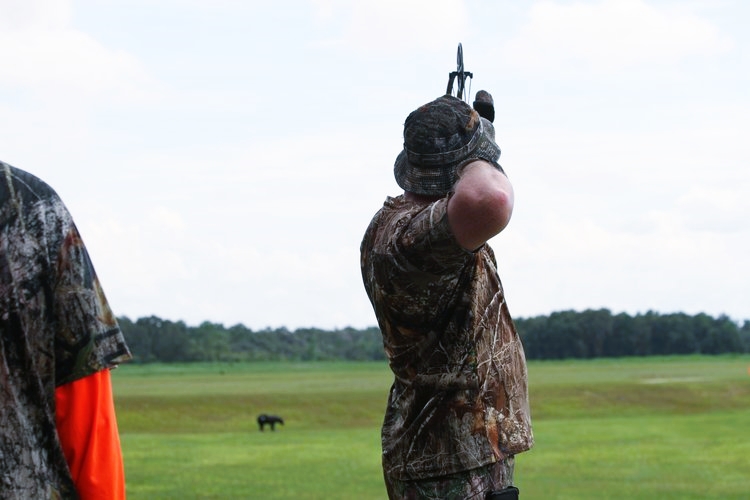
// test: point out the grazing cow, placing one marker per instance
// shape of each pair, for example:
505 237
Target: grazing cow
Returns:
271 420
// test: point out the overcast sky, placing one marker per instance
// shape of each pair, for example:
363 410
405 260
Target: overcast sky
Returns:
222 159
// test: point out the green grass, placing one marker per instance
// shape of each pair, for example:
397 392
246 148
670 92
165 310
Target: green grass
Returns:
696 456
673 427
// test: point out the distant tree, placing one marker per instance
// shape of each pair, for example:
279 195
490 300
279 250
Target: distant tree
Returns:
535 335
210 342
140 340
596 327
564 334
745 336
171 341
622 340
720 335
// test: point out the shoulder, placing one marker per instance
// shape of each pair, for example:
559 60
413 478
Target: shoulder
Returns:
405 222
24 186
413 237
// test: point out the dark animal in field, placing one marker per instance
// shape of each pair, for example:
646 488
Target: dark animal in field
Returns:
271 420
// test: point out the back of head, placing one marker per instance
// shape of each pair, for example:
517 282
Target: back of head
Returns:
440 137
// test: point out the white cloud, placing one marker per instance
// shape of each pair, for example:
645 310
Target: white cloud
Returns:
392 25
715 210
40 14
580 263
243 234
41 52
611 35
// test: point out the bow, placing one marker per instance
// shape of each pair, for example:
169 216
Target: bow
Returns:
460 75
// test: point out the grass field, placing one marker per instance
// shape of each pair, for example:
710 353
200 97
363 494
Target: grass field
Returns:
662 428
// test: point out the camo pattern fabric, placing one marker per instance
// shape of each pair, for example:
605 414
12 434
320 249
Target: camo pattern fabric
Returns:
55 327
471 484
459 400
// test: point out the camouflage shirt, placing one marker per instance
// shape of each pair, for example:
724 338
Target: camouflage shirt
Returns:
55 327
459 399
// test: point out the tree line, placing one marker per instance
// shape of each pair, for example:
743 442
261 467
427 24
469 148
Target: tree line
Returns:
599 333
560 335
152 339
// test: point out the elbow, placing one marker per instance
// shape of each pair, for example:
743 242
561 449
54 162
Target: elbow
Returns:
498 207
481 207
475 222
504 208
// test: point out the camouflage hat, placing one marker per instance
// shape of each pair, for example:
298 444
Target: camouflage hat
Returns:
440 137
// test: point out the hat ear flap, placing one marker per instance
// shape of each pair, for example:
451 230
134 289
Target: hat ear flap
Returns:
489 128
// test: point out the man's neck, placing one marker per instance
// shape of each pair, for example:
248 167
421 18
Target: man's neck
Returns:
420 198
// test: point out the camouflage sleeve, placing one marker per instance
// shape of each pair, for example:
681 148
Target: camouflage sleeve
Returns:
88 337
429 242
415 281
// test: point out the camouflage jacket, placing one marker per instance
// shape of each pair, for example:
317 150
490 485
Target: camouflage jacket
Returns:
55 327
459 399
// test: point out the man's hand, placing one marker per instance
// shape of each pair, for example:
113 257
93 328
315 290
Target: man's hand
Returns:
485 105
481 205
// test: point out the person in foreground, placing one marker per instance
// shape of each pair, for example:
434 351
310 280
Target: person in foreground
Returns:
458 409
58 342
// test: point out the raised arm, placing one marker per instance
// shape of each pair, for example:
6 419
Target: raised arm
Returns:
481 205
